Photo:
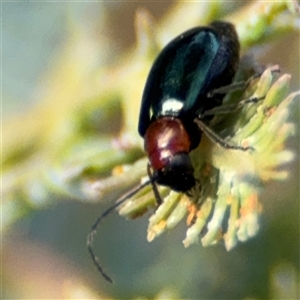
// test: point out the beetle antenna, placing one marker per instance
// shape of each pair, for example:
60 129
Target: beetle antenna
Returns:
93 232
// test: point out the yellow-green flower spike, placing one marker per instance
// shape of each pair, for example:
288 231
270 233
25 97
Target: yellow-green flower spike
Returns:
228 205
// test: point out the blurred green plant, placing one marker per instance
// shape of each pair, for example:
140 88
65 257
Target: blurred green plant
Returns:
81 141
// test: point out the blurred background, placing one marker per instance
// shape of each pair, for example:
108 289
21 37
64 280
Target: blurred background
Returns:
44 254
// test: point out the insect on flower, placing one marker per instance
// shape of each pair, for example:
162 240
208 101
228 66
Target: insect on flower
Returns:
184 90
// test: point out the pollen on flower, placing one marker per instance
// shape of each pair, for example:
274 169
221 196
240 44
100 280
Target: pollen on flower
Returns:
193 210
156 230
251 205
269 112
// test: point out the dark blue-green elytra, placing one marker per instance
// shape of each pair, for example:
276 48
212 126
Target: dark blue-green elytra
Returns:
187 69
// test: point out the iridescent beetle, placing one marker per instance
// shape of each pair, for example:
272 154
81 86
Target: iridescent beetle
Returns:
184 90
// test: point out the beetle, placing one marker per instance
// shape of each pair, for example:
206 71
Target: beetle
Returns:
179 90
184 90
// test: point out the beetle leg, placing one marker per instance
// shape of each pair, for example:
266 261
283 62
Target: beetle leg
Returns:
217 139
240 85
154 186
228 108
